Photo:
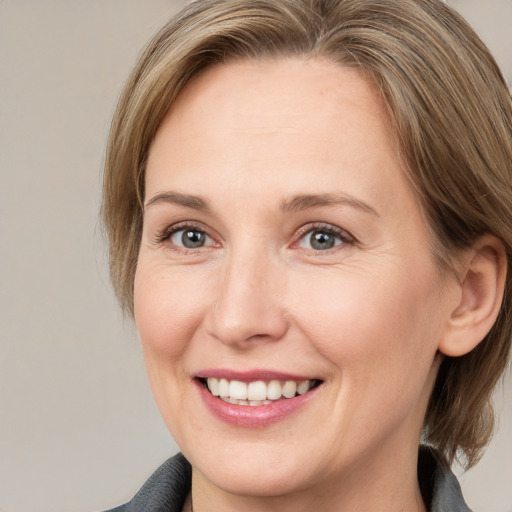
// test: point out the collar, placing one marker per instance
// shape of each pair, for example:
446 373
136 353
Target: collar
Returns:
439 487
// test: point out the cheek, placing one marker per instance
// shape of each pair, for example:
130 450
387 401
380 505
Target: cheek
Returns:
381 325
377 330
167 308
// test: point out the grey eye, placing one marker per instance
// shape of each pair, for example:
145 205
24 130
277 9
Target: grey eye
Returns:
190 238
320 240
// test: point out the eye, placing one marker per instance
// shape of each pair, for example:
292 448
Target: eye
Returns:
190 238
323 238
185 236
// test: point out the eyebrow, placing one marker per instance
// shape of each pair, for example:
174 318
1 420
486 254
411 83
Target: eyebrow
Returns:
295 203
305 201
187 200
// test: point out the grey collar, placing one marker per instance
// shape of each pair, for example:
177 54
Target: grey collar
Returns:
439 487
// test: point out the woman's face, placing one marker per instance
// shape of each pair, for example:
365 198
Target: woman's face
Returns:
282 242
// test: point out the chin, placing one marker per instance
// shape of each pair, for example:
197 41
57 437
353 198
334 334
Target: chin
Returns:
256 476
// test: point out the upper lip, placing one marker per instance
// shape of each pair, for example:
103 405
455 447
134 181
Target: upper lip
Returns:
252 375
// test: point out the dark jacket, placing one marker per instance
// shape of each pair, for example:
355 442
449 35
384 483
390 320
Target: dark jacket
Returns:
168 487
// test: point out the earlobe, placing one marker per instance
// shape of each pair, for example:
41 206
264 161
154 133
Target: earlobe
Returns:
482 287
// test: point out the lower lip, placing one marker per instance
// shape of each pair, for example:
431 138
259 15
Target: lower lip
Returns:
257 415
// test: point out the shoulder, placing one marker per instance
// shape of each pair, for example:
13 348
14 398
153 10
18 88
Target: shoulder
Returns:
439 486
165 491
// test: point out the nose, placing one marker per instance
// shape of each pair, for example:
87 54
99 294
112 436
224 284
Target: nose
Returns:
249 307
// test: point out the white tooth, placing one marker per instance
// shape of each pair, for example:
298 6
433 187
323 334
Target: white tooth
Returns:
233 401
274 390
244 402
223 387
213 385
238 390
266 402
289 389
303 387
257 390
256 402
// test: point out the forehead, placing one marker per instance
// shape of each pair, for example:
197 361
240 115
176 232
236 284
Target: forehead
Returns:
265 88
275 121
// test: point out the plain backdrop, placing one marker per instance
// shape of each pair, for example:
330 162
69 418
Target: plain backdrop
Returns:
79 431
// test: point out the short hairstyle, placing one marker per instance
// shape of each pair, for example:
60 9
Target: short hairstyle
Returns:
452 116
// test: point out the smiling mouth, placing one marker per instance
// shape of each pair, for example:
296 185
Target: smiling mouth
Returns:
258 392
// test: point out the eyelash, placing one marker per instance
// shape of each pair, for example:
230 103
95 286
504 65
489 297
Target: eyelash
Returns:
164 236
344 237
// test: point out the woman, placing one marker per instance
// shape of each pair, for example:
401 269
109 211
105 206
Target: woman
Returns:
308 204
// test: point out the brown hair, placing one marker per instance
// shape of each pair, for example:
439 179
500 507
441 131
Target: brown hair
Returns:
452 115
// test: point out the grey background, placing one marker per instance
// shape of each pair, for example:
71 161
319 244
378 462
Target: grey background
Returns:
78 427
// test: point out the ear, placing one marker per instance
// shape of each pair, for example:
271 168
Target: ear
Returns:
482 284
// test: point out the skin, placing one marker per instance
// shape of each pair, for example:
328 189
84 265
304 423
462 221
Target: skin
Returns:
367 316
